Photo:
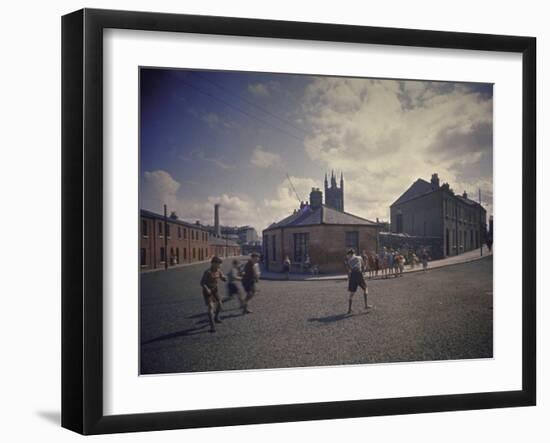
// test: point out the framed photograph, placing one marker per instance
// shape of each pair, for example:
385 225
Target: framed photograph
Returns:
268 221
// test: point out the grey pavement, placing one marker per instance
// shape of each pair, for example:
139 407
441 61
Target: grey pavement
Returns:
434 264
445 313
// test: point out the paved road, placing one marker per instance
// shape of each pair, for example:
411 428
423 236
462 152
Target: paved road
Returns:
441 314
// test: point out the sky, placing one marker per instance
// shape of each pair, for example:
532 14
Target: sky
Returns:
241 138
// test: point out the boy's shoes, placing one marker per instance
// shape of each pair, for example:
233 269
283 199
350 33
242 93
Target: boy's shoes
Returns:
212 330
369 306
217 320
247 311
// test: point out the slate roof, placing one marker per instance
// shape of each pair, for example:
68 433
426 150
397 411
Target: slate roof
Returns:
150 214
418 188
321 216
468 201
421 187
219 241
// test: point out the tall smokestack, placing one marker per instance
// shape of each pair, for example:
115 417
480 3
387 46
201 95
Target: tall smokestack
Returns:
217 227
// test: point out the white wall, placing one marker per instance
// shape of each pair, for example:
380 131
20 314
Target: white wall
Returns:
30 186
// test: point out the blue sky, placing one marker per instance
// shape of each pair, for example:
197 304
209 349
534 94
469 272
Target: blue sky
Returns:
232 137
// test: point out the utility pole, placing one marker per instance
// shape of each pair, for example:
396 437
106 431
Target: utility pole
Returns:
480 241
165 238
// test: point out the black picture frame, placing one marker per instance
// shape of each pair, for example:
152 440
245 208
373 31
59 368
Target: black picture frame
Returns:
82 215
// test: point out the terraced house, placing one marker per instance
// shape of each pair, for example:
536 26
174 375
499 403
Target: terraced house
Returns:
170 242
427 209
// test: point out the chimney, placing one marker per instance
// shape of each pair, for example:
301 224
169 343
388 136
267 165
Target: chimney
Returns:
316 198
465 194
173 215
435 181
217 228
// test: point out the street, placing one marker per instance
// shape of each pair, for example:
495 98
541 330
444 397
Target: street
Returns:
441 314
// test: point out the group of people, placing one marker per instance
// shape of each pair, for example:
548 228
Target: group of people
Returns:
387 262
248 275
391 263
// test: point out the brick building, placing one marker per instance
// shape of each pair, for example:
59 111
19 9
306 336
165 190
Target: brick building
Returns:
322 233
223 247
430 210
186 242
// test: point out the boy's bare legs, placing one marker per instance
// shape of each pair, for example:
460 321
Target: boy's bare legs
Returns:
350 301
211 317
365 295
217 312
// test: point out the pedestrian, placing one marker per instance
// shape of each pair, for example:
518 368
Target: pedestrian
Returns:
390 258
233 277
401 264
251 276
210 293
354 266
424 259
396 260
365 258
372 264
286 266
382 261
489 242
414 260
307 264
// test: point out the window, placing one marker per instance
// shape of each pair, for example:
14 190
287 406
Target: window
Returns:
162 254
399 223
184 252
167 230
194 253
144 230
274 248
185 233
160 229
177 255
179 231
352 240
143 257
301 246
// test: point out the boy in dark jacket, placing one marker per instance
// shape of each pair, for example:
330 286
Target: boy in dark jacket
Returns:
209 285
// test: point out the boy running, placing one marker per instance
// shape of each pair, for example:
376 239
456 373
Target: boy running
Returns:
232 278
354 265
251 276
209 284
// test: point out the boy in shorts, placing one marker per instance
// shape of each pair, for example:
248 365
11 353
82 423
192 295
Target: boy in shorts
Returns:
251 276
232 278
354 264
209 285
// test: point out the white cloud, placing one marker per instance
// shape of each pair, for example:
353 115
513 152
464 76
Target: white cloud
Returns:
263 90
265 159
159 188
386 134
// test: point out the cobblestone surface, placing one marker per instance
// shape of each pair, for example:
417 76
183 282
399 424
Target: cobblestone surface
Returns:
437 315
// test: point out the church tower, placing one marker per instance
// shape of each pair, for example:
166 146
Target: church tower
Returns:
334 195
